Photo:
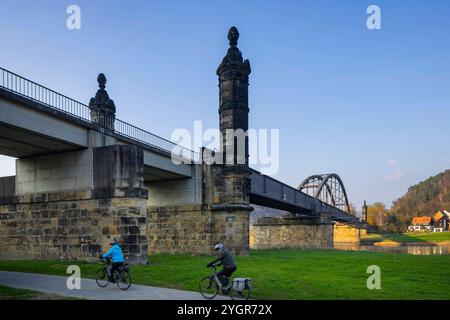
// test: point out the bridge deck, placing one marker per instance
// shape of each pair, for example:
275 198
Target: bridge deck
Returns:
27 129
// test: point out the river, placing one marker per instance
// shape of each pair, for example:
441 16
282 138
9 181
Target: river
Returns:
413 249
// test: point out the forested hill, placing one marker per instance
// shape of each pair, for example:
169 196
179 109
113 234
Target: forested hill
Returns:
425 198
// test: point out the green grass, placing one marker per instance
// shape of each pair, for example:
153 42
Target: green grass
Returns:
8 293
290 274
372 236
410 237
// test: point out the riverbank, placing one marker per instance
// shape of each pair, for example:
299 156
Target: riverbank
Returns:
289 274
407 239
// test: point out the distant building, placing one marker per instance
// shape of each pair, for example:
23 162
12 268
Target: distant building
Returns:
421 224
441 221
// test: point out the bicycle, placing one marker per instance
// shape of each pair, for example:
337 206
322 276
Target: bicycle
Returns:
209 286
121 276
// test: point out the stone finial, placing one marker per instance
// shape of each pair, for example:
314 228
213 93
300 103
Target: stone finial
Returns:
103 109
233 58
101 79
102 99
233 36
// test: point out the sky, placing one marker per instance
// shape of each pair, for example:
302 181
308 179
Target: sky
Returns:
370 105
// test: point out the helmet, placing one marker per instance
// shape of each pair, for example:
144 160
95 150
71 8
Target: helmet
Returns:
219 246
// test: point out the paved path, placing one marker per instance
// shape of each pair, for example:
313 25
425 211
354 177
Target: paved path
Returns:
90 290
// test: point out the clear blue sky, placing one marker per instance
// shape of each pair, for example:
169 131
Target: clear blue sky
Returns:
372 106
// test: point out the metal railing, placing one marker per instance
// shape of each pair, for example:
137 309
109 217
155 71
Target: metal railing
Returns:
132 132
28 89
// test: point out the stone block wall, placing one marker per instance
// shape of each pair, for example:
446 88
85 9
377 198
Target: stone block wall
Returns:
346 234
195 229
280 233
362 232
71 225
179 229
231 227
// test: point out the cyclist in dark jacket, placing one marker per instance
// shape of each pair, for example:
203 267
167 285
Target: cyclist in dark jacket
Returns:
226 260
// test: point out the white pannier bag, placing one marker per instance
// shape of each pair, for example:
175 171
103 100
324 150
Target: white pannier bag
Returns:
239 284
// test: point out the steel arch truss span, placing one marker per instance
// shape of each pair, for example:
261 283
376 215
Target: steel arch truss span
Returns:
327 188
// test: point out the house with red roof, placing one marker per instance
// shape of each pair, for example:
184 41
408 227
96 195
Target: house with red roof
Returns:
421 224
441 221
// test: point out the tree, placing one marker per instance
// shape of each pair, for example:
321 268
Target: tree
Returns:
423 199
393 224
377 215
352 208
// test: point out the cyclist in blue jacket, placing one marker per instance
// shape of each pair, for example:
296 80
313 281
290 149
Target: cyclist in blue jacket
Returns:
116 256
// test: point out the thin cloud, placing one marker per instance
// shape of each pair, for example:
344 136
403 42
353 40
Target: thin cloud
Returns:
396 173
391 163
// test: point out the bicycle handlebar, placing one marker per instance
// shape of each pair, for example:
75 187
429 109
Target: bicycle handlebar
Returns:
106 260
214 266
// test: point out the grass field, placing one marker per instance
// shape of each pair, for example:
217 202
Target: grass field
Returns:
410 237
8 293
290 274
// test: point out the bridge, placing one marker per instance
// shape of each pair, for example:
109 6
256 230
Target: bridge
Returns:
71 151
35 120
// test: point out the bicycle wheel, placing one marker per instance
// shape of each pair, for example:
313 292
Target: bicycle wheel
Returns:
123 280
241 295
208 287
102 278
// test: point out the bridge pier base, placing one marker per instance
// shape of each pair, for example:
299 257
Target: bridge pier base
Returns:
195 229
71 225
300 233
293 233
347 234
